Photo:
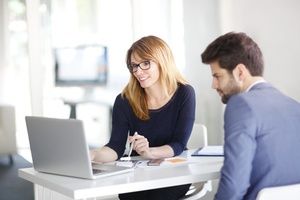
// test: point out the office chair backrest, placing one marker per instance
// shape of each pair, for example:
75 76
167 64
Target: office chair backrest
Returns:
198 137
290 192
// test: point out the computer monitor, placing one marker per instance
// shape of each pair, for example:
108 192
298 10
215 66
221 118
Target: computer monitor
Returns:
84 65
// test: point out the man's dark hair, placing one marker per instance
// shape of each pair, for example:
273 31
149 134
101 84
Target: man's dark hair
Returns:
232 49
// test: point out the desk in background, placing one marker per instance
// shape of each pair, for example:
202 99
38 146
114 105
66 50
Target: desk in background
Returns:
101 97
104 97
197 169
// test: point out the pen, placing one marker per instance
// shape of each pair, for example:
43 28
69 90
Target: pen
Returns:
128 158
131 147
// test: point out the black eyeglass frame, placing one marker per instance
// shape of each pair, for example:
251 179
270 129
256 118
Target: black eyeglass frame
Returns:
134 67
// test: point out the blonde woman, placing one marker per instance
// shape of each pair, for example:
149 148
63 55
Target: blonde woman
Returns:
157 107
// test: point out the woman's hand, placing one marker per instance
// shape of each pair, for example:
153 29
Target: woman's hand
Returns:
141 145
92 154
103 154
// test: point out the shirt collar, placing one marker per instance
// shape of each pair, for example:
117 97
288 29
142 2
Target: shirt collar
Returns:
255 83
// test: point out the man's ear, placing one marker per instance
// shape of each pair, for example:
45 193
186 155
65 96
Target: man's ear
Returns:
240 72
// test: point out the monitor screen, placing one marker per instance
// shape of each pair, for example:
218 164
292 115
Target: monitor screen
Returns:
81 66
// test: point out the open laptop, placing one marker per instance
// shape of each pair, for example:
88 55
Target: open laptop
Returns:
58 146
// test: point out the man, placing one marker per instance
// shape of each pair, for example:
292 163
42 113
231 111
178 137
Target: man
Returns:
262 125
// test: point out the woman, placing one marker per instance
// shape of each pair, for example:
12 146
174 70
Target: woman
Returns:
157 108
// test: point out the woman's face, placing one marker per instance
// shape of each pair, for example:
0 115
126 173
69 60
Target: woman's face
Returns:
145 71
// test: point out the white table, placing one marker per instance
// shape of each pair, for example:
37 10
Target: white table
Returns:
197 169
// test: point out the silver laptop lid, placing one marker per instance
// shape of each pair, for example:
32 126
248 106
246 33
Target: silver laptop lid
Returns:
59 146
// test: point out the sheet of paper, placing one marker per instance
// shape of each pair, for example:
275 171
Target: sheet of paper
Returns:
209 151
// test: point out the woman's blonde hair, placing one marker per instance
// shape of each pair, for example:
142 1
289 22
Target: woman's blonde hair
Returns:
154 49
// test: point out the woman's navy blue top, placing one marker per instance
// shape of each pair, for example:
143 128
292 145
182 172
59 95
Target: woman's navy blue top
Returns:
169 125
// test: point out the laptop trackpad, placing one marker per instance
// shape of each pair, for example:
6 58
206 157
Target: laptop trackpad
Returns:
102 168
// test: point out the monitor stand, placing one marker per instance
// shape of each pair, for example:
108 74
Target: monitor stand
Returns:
88 93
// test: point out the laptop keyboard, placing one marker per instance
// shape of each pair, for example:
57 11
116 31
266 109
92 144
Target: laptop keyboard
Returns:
98 171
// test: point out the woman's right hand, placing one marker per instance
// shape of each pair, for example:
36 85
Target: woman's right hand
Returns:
103 154
92 154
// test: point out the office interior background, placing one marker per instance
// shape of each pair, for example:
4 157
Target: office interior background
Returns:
31 29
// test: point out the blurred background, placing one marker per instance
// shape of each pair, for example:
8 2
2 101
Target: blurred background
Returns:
40 40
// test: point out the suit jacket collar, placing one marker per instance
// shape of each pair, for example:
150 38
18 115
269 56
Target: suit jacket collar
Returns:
260 85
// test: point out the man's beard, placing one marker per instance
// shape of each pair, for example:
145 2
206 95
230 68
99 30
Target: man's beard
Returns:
230 89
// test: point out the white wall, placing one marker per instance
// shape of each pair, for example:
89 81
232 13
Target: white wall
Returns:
3 49
272 24
201 25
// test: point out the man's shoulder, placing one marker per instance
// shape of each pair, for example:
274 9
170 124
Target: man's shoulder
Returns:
261 98
256 93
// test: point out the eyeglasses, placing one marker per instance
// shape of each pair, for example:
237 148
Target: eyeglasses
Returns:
145 65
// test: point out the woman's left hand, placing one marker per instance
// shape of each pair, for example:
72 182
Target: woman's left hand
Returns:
141 145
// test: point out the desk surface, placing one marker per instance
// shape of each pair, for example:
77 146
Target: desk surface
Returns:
197 169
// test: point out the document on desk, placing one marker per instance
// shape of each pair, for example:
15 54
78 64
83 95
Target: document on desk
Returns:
165 163
209 151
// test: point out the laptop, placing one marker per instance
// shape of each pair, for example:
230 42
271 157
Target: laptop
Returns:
58 146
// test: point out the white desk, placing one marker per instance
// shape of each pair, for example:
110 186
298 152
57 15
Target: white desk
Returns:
196 170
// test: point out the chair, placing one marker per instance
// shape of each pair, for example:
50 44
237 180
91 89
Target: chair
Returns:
198 139
290 192
7 131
